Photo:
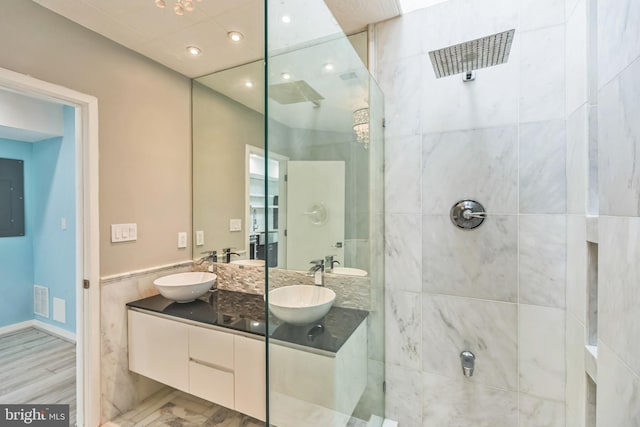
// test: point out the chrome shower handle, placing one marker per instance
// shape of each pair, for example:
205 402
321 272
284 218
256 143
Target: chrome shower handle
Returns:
468 214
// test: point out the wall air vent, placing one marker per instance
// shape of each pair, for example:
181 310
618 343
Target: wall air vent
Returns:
41 301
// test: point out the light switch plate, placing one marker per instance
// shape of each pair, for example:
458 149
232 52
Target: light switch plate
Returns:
182 239
124 232
235 225
199 238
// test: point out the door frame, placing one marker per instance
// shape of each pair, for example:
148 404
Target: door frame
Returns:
87 233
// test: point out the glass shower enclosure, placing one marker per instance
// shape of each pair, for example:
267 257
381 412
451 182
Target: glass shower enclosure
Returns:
324 223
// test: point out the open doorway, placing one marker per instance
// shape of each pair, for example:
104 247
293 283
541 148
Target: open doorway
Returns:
49 330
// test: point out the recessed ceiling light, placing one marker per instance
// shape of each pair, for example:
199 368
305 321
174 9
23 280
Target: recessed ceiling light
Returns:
193 50
328 66
248 83
286 19
161 4
235 36
285 76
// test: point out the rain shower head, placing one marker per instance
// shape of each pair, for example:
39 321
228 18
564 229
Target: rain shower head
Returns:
472 55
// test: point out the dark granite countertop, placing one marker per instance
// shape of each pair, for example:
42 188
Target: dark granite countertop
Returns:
246 313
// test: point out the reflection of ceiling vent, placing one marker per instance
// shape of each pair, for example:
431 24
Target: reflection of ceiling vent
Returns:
348 76
294 92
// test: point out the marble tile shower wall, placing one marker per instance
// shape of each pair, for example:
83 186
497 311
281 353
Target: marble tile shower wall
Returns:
618 147
499 290
579 107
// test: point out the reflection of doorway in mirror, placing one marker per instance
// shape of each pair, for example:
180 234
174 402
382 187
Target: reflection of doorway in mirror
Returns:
316 212
265 211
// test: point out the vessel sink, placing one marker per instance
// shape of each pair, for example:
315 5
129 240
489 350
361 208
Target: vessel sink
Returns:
348 271
301 304
185 287
250 262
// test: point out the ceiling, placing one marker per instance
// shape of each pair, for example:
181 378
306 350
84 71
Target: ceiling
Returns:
163 36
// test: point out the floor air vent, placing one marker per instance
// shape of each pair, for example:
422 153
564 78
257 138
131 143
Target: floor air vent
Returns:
41 300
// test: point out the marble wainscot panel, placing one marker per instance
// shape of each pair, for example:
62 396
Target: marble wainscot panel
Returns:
542 367
536 412
618 40
542 85
618 391
459 402
351 291
618 138
404 328
121 389
577 160
542 260
479 264
486 328
618 291
487 171
543 177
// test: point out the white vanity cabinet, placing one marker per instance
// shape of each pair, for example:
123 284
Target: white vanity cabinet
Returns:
321 389
211 367
218 366
250 383
158 349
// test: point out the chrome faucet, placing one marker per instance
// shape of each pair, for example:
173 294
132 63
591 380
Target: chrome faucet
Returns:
329 263
211 256
317 271
468 361
226 253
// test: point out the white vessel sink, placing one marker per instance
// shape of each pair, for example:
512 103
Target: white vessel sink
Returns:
301 304
348 271
185 287
250 262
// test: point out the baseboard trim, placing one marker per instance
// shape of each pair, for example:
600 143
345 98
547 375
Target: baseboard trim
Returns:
54 330
16 327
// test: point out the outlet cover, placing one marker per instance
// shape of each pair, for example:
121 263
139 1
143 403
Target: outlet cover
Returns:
199 238
235 225
182 240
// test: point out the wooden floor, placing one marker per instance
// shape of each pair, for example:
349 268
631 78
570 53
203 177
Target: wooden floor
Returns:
37 368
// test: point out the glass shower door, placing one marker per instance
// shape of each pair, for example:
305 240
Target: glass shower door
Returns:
325 116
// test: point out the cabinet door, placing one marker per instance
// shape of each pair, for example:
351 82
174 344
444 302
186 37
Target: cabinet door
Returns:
212 384
158 349
211 347
250 381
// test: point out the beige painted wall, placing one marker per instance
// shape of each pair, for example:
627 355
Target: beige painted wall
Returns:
145 128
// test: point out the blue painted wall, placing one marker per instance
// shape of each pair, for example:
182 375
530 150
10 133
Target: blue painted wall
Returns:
47 254
16 253
54 249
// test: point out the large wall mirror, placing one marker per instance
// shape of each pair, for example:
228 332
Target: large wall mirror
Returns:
315 205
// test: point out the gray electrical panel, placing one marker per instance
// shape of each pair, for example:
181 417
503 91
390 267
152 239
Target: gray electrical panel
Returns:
11 198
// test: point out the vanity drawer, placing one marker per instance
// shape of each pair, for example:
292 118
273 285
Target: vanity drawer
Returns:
214 385
210 346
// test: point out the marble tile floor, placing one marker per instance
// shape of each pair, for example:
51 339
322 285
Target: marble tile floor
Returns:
37 368
173 408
